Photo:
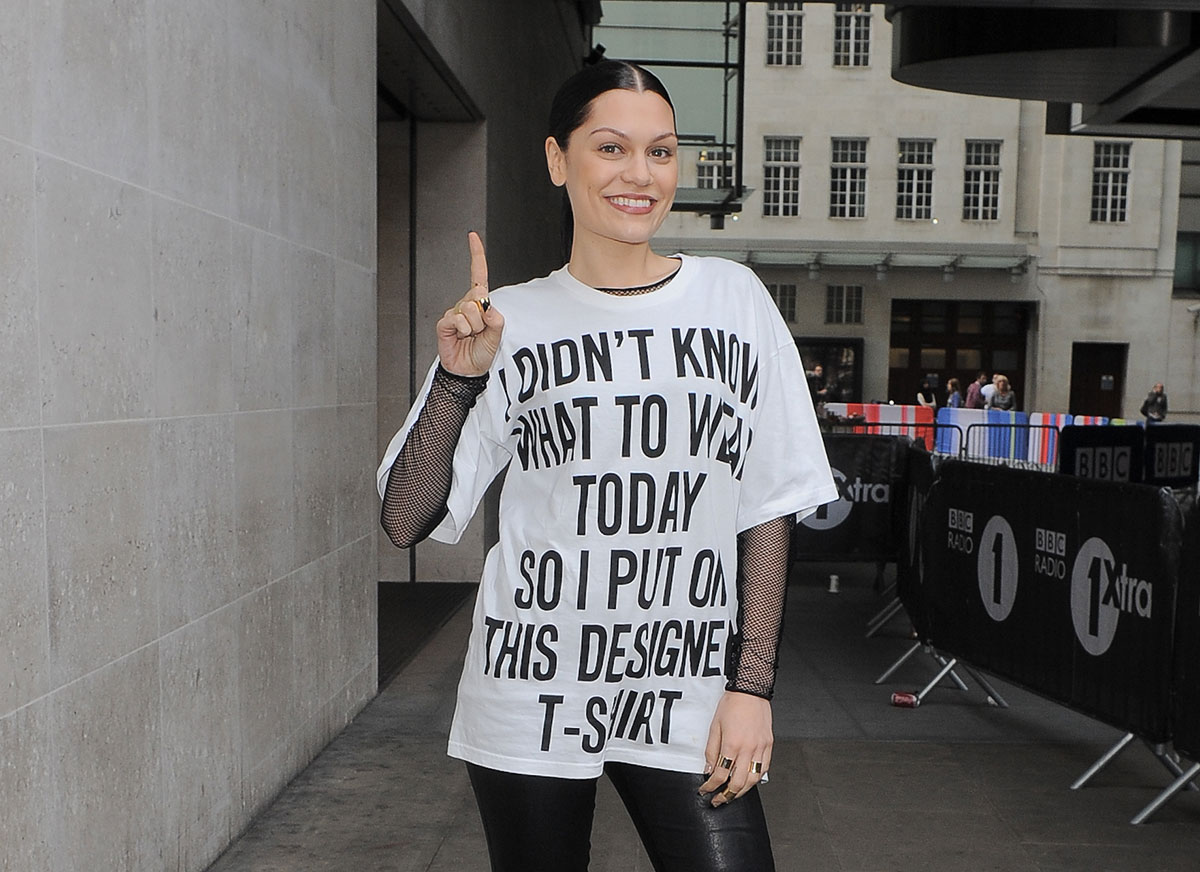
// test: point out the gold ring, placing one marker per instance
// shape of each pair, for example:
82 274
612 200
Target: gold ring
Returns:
729 793
725 763
756 767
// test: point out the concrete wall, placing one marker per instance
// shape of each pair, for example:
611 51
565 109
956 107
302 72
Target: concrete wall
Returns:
187 416
487 175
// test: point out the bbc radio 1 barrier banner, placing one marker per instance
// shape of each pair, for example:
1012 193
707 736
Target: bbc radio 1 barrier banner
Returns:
1187 640
862 524
1063 585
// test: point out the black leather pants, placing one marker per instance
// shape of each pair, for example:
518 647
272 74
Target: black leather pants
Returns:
541 824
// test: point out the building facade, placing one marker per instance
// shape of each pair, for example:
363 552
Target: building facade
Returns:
913 235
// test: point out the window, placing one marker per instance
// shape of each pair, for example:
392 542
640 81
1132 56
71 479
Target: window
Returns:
785 23
848 179
781 175
969 360
852 35
933 358
784 296
1187 262
714 169
981 180
914 180
970 318
843 304
1110 181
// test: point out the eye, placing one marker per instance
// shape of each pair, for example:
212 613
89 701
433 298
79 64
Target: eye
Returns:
661 152
610 148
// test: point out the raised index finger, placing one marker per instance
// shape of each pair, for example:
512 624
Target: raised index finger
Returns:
479 271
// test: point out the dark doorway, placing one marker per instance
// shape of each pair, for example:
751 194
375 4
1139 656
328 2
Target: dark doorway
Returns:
841 362
1098 378
935 340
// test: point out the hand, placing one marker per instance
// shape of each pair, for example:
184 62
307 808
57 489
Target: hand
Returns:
468 334
741 733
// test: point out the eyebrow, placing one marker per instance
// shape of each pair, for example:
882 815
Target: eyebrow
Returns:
667 135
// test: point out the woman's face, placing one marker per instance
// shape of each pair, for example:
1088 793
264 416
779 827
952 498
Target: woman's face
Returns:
620 167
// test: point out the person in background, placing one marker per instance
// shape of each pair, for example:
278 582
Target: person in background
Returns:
990 388
954 397
974 392
1003 397
1154 407
925 395
817 386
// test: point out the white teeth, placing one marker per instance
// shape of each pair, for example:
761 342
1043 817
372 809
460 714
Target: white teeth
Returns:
632 202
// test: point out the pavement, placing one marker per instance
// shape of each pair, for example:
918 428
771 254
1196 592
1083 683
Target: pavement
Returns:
857 784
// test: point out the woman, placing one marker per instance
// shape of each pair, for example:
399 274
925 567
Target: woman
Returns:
925 395
954 397
628 619
1004 397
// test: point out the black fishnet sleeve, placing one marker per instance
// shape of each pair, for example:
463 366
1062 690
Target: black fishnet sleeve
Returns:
762 591
418 484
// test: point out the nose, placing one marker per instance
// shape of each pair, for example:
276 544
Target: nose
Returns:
637 170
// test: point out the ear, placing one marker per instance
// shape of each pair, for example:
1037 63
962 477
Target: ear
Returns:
556 162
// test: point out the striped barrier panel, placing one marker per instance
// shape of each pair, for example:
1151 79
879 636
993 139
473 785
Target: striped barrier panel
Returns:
879 416
1007 435
1043 436
990 433
953 424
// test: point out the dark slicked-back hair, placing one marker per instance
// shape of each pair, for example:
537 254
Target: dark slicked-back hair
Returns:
573 103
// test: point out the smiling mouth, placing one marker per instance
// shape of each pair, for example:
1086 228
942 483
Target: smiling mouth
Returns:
635 205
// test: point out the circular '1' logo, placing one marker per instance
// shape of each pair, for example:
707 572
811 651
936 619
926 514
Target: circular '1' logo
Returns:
996 567
828 516
1095 621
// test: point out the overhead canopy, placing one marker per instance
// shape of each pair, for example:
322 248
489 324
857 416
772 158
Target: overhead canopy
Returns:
811 254
1120 68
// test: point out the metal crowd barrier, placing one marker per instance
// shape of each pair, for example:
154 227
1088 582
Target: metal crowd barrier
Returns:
1067 587
1081 589
1018 445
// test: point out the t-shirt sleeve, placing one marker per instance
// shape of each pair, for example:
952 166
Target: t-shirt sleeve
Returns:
479 456
786 470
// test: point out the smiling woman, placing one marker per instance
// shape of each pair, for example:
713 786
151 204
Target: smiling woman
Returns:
651 420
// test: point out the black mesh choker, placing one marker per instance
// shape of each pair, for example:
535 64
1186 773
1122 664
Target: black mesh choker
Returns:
641 289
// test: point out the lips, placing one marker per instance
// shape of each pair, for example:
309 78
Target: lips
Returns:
633 205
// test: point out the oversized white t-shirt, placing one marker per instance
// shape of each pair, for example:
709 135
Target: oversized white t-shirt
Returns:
641 435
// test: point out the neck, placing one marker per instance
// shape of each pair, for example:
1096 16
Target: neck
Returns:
611 264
